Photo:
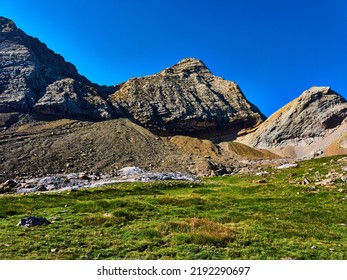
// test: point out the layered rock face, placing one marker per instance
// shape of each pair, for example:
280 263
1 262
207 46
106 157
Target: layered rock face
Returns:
309 124
185 98
30 71
67 97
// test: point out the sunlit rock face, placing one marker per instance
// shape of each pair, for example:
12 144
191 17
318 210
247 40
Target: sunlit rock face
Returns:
315 122
187 97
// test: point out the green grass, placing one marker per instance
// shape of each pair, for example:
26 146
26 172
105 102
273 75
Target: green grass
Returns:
230 217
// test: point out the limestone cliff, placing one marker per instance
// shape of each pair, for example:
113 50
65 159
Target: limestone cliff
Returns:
30 71
186 98
308 125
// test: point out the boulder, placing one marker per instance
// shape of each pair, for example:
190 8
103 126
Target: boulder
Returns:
32 221
8 186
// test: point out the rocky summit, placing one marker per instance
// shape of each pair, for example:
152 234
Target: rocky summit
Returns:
187 98
315 123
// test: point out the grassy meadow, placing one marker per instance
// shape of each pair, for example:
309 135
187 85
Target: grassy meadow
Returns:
273 216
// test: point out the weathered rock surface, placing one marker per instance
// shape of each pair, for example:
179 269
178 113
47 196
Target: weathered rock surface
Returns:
183 98
76 181
313 124
67 97
8 186
187 98
30 72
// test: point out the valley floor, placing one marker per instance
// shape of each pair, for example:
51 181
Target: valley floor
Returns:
294 213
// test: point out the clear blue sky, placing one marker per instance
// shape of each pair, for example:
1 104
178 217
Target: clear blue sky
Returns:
273 49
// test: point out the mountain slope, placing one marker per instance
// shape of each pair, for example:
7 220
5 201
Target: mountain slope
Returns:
30 71
187 98
184 98
308 125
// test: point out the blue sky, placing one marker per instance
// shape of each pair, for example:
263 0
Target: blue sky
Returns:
273 49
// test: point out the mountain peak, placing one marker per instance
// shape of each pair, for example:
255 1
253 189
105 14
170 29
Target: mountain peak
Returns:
191 61
317 89
187 65
7 25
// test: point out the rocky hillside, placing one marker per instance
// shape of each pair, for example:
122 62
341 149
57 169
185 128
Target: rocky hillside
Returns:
184 98
37 148
187 98
315 123
35 80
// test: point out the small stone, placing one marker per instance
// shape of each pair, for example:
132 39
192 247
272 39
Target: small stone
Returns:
313 247
84 176
343 159
42 189
306 181
261 181
221 171
261 173
8 186
54 250
32 221
10 183
288 165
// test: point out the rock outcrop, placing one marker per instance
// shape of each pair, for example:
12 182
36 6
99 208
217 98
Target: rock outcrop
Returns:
67 97
315 123
187 98
30 72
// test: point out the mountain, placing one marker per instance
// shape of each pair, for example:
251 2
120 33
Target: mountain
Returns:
187 98
184 98
54 120
315 123
35 80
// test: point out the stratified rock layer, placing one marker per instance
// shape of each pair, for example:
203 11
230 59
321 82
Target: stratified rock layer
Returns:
68 97
309 124
185 98
30 72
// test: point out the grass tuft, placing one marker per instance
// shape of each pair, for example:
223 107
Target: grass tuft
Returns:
199 231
